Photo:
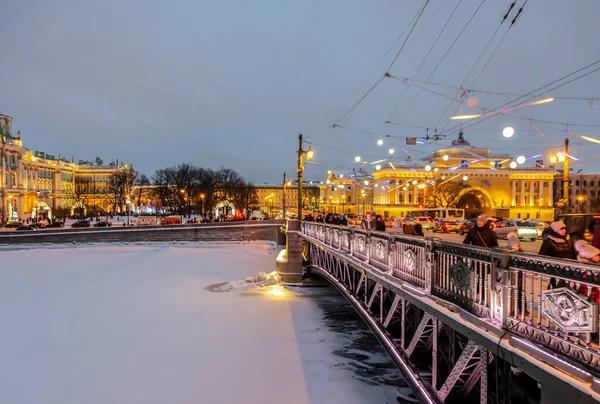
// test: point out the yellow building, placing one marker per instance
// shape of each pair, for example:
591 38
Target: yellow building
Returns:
461 176
270 197
35 181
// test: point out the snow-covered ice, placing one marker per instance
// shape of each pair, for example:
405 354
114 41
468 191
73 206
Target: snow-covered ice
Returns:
178 323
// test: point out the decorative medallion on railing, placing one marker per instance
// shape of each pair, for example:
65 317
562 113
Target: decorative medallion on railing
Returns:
321 233
380 250
570 311
409 260
361 244
328 232
346 241
460 275
336 238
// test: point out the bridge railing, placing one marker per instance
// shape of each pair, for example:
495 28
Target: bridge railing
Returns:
549 301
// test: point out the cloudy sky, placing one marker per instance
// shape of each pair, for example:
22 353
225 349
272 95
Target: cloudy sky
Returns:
233 83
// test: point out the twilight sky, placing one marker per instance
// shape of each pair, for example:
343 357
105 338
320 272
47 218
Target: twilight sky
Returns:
232 83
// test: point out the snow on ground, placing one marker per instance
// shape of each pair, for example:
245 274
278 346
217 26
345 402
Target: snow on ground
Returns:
155 324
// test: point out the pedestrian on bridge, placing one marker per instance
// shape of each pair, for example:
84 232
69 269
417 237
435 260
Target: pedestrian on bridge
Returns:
481 235
557 244
368 223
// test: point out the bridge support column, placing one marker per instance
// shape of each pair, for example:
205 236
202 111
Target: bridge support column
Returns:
289 261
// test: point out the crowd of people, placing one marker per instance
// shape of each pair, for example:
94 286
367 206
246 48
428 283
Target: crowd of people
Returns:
557 242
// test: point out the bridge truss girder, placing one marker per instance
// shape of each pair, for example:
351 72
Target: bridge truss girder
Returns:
447 365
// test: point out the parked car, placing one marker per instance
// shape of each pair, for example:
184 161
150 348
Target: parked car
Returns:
426 222
55 225
27 227
13 225
447 226
466 226
523 229
540 226
81 223
103 224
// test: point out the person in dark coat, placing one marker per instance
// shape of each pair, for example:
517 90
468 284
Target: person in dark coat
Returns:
319 218
335 219
368 223
379 223
557 244
418 230
342 221
328 218
481 234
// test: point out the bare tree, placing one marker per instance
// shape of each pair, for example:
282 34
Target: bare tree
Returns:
83 188
141 182
446 193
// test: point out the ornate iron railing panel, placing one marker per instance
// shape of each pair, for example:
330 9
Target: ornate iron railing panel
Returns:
409 260
360 248
464 276
346 241
555 303
379 251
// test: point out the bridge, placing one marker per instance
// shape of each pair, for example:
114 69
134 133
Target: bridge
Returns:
463 324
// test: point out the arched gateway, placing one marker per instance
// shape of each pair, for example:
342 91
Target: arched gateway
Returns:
475 200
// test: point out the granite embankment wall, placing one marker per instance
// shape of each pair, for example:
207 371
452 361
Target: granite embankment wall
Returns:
232 231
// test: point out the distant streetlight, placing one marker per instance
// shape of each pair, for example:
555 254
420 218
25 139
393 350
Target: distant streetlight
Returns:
508 132
521 160
513 164
465 178
380 142
427 167
357 159
391 151
445 157
309 156
378 167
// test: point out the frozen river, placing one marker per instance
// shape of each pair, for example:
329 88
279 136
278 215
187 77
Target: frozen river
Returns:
147 324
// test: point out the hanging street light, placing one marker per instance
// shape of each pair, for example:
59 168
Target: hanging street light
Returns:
513 164
508 132
378 167
521 160
357 159
391 151
380 142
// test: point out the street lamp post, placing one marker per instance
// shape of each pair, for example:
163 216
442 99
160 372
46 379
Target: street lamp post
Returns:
286 184
202 204
127 204
566 176
309 155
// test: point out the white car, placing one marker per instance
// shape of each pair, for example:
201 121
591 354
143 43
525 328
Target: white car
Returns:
524 230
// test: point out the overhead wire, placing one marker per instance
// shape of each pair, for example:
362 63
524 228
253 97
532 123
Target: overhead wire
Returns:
478 59
388 69
535 96
426 56
444 56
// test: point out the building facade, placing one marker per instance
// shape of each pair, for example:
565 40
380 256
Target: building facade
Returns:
33 183
270 197
461 176
584 192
